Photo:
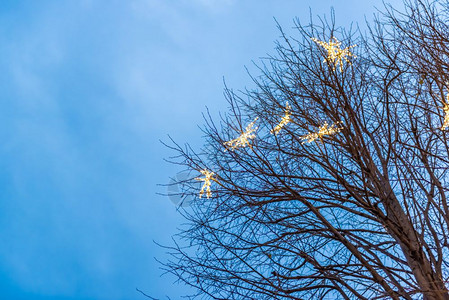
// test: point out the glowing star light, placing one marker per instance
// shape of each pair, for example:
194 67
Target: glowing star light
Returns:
284 121
334 53
446 113
322 131
244 139
207 182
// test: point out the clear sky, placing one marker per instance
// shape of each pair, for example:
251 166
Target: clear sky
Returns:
87 90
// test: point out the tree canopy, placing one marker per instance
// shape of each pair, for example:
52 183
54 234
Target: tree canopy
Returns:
329 178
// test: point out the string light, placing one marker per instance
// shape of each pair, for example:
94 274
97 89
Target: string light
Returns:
446 113
334 53
244 139
284 121
207 182
322 131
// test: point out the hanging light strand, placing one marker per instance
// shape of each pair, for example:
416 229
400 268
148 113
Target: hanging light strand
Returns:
446 113
325 129
244 139
335 54
284 121
208 177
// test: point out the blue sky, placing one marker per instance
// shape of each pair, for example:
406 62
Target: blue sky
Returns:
87 90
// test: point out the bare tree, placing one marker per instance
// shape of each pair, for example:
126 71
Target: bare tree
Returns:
329 179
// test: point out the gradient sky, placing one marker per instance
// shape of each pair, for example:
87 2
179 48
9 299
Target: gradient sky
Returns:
87 90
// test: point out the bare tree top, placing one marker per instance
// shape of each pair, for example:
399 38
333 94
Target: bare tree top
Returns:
329 179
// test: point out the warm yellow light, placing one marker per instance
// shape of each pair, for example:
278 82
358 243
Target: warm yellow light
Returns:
244 139
322 131
334 53
207 182
284 121
446 113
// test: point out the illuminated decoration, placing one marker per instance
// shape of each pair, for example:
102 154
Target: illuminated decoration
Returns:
335 54
322 131
284 121
244 139
207 182
446 113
